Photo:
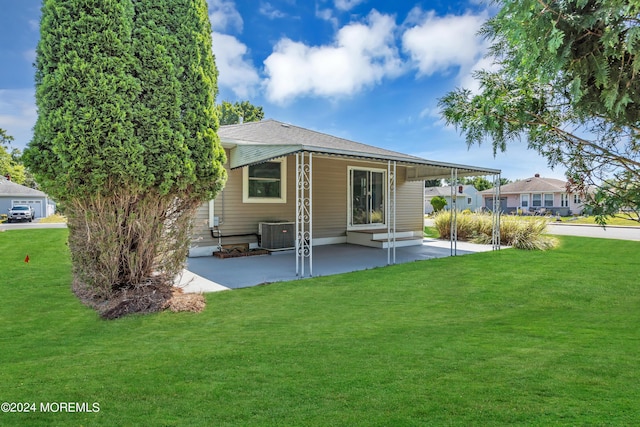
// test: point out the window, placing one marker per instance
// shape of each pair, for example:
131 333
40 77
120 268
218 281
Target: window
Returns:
576 199
468 200
524 200
536 200
564 200
548 200
265 182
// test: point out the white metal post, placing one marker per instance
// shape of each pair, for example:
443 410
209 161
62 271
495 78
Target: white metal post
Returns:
391 212
495 214
453 224
304 213
298 205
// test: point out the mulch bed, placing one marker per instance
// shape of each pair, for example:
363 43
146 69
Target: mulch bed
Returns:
144 298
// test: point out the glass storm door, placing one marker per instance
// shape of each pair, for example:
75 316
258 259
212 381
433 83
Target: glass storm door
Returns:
367 197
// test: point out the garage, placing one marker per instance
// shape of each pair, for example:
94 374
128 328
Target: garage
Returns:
12 194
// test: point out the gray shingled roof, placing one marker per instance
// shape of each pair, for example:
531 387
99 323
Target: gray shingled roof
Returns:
265 140
444 191
9 188
533 185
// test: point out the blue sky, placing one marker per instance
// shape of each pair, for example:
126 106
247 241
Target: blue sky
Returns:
367 70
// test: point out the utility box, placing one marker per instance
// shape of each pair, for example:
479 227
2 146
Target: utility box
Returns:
276 236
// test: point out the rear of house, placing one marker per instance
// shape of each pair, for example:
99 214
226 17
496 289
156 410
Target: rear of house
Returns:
291 186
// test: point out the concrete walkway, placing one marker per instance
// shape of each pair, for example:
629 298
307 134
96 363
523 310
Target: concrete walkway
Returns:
213 274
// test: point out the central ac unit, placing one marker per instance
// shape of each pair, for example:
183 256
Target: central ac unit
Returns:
277 235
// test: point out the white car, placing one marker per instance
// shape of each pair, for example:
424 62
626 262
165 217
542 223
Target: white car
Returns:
21 213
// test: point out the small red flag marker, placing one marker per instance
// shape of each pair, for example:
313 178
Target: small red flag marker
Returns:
26 259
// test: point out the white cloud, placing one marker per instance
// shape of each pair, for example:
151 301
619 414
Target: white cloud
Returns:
224 16
234 70
346 5
327 15
438 44
18 114
361 55
270 12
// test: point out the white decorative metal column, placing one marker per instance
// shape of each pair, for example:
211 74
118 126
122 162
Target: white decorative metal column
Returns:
453 227
391 212
495 214
304 212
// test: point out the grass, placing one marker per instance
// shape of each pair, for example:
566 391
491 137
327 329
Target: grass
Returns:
499 338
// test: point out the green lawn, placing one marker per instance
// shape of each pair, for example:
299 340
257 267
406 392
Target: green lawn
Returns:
501 338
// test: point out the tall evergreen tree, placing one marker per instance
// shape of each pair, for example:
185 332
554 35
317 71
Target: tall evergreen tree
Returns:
125 135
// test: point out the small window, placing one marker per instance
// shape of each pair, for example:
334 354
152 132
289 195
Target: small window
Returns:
576 199
468 200
524 200
265 182
564 200
548 200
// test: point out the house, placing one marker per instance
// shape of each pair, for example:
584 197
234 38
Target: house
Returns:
290 187
466 197
12 194
536 195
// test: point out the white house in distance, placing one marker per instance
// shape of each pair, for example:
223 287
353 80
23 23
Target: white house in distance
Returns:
536 195
13 194
467 197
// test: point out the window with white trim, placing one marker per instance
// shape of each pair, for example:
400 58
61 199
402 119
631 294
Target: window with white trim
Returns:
524 200
265 182
564 200
548 200
576 199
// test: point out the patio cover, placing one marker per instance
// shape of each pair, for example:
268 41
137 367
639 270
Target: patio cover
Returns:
258 142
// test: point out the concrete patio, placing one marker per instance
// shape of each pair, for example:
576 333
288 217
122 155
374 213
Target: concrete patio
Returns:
211 274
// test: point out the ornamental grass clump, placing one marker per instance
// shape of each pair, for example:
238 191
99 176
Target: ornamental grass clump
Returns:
478 228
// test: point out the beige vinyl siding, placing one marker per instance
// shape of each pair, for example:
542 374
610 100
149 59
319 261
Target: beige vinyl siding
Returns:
330 198
409 199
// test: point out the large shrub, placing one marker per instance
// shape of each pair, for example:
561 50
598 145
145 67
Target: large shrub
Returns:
126 133
514 231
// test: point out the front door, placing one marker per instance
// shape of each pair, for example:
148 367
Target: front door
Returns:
367 197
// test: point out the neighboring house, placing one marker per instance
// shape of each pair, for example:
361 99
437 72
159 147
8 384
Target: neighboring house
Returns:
283 178
466 196
536 195
12 194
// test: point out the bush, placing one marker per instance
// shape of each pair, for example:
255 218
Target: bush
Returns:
438 203
478 228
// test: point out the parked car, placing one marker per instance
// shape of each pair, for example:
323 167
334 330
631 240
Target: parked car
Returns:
21 213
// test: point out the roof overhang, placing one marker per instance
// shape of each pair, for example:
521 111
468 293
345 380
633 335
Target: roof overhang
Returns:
246 153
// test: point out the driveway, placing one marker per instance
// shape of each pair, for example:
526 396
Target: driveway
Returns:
585 230
29 225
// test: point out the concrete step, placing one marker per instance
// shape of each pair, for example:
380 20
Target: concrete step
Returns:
378 238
